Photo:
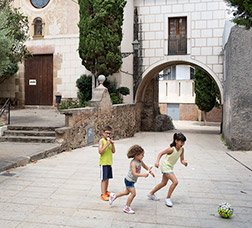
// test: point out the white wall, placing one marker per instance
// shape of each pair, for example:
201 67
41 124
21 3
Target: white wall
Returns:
125 76
182 72
176 91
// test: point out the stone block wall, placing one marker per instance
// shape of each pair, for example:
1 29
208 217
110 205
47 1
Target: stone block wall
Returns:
188 112
83 123
7 88
192 113
237 108
215 115
205 24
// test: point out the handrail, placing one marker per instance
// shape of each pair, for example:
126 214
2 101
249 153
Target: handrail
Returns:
5 107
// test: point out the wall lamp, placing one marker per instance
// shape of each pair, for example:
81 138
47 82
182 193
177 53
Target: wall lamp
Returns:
136 47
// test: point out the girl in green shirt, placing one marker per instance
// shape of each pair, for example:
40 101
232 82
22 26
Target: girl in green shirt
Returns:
173 153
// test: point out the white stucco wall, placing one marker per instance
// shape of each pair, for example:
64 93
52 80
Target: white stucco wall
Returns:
125 75
182 72
176 91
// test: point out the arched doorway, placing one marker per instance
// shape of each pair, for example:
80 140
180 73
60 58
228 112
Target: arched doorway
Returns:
147 92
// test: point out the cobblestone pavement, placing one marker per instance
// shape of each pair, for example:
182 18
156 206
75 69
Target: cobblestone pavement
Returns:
63 190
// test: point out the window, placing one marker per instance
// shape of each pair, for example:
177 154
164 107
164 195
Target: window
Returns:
168 73
177 36
39 3
38 26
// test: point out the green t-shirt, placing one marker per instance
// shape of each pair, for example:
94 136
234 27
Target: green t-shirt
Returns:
172 158
106 158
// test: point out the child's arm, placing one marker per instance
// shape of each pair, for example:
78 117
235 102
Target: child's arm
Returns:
148 169
166 151
134 173
102 148
112 143
182 160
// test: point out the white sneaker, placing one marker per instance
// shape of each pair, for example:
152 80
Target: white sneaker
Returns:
128 210
168 202
152 197
112 197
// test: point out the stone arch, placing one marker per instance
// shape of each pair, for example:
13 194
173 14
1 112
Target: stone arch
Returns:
152 71
147 93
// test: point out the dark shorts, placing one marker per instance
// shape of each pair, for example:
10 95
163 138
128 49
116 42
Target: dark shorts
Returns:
129 184
106 172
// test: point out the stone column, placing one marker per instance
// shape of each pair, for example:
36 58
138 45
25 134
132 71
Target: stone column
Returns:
237 108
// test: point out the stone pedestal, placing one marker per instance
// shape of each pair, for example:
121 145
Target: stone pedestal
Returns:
101 98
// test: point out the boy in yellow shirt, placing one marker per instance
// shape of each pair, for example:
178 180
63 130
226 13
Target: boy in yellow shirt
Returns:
106 149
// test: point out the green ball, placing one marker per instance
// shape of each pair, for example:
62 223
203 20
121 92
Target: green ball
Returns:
225 210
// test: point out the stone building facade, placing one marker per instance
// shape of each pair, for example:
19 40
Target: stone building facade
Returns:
204 21
202 24
56 36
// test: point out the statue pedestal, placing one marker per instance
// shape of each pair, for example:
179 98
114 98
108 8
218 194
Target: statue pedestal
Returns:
101 98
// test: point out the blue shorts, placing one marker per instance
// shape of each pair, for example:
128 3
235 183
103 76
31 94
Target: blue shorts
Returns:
129 184
106 172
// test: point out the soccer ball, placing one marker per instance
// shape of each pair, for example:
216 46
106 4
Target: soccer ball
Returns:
225 210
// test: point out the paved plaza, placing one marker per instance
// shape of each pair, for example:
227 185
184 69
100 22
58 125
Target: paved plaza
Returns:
63 190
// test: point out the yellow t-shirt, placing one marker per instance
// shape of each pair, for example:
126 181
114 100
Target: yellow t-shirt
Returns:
106 158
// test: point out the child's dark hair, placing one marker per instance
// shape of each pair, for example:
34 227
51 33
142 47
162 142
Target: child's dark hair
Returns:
134 151
179 137
107 128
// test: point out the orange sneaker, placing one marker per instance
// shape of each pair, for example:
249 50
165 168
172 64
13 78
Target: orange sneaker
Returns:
107 193
104 197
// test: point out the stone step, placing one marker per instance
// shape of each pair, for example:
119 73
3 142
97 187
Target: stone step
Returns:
29 133
31 128
30 139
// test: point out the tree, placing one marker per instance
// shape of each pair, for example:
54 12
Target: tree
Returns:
84 84
206 90
101 35
13 34
242 12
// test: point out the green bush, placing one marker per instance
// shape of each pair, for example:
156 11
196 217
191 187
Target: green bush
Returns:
116 99
116 93
123 90
69 103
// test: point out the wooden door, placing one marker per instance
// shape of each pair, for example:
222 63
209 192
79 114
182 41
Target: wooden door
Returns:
39 80
177 36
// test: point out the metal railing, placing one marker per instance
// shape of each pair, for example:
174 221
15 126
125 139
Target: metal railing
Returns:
6 108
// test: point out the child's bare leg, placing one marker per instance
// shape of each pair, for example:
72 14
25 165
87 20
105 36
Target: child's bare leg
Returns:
104 186
160 185
124 193
131 196
174 180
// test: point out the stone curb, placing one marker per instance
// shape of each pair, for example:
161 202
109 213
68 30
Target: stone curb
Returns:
22 161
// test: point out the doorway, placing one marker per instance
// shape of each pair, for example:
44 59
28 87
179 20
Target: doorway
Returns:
39 80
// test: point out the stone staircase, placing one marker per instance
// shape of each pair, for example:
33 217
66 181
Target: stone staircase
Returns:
29 134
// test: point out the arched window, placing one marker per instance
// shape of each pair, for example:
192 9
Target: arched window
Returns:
38 26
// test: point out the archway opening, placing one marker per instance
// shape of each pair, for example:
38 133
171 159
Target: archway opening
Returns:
169 88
